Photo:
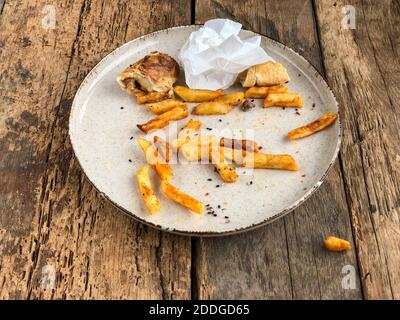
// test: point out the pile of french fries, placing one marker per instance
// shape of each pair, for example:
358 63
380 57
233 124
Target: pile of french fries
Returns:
224 154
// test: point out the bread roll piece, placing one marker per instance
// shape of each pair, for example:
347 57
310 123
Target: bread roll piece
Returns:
265 74
156 72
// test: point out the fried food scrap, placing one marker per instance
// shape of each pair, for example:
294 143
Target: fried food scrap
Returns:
325 121
163 119
196 95
163 169
262 92
269 161
146 190
246 145
232 99
293 100
182 198
336 244
247 105
211 108
164 106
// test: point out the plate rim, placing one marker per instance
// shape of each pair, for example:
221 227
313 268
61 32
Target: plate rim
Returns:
253 226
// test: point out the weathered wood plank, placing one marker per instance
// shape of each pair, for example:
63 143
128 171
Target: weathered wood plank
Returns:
285 259
362 65
51 215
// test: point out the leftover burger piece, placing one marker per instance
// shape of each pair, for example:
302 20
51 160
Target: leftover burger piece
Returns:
163 169
247 105
262 92
164 106
259 160
146 190
182 198
211 108
163 119
156 72
336 244
232 99
325 121
265 74
292 100
196 95
241 144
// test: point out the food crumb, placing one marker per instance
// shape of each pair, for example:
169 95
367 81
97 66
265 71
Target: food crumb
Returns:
122 108
207 194
303 175
220 120
226 217
209 129
283 108
131 138
313 105
219 206
217 186
209 179
298 113
130 160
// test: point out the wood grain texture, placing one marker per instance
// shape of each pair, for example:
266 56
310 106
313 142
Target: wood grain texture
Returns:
362 65
285 259
51 214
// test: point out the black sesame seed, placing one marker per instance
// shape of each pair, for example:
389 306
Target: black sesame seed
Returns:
217 186
214 215
209 129
313 105
226 217
219 207
220 120
122 108
209 179
131 138
298 113
207 194
283 108
252 100
130 160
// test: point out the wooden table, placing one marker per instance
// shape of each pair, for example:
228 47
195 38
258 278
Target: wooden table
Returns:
51 217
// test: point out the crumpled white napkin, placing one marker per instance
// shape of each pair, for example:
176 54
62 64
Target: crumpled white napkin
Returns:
214 55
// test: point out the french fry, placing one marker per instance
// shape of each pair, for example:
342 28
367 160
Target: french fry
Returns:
211 108
224 169
164 106
246 145
154 96
196 95
146 190
233 155
182 198
199 148
262 92
336 244
325 121
232 99
163 169
163 147
163 119
269 161
188 132
292 100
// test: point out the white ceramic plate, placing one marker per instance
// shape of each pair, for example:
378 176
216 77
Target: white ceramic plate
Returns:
103 119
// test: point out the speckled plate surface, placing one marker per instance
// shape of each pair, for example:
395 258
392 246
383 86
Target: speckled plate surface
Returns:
103 119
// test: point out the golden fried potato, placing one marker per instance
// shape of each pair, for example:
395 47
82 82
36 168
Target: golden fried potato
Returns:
144 97
183 199
199 148
196 95
262 92
146 190
224 169
336 244
325 121
164 106
189 131
269 161
232 99
163 119
163 169
246 145
163 148
233 155
211 108
293 100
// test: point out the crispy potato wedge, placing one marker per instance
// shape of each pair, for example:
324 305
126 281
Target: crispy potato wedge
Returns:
246 145
146 190
262 92
144 97
182 198
232 99
164 106
325 121
189 131
292 100
196 95
163 169
163 119
336 244
269 161
224 169
163 148
211 108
